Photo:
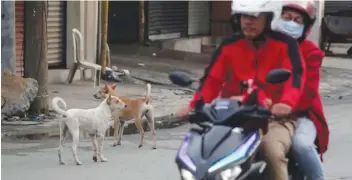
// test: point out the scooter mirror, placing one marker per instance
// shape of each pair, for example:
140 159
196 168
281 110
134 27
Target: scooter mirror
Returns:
278 76
180 78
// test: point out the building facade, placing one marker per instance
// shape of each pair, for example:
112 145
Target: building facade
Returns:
159 20
62 17
132 21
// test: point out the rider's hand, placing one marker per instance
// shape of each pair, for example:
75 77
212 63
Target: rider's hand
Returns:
181 113
267 103
281 109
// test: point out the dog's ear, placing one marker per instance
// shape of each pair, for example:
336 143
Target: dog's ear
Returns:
109 100
113 86
106 86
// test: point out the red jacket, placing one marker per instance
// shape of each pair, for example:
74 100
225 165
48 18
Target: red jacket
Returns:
237 59
310 100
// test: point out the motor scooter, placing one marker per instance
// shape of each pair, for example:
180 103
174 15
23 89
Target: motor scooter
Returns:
218 148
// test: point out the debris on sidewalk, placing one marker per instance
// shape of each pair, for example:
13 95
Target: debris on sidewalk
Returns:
28 119
17 94
114 74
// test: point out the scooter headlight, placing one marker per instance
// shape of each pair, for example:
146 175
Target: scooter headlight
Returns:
187 175
231 173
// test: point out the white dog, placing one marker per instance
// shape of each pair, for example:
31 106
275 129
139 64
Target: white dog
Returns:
93 121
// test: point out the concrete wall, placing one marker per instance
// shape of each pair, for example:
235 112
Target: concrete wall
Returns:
8 38
73 21
315 32
82 15
184 44
89 24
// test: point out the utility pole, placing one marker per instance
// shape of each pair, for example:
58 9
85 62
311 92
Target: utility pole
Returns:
141 21
104 32
36 44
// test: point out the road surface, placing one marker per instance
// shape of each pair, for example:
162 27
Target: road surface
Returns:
37 160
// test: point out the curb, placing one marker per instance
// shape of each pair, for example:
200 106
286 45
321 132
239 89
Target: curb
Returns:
162 122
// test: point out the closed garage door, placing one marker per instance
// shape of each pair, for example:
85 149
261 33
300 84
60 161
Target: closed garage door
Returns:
167 19
333 6
56 33
198 17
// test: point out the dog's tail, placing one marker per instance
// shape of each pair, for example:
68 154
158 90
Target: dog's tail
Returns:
56 107
147 96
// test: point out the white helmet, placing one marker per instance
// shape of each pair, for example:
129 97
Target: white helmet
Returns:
255 7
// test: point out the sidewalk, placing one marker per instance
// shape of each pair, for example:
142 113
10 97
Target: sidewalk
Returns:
335 62
336 83
166 101
336 74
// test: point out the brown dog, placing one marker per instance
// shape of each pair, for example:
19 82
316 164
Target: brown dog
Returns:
136 109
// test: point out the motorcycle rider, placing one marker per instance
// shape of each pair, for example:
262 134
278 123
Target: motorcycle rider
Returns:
297 20
252 54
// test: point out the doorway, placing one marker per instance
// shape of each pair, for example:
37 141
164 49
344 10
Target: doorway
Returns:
123 22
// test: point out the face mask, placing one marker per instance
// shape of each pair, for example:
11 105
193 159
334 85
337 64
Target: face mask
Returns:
291 28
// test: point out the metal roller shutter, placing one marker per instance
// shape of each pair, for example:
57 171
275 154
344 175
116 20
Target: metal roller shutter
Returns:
167 19
333 6
19 29
56 32
198 17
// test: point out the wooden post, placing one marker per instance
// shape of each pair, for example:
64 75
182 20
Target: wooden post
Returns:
141 21
104 32
99 34
36 45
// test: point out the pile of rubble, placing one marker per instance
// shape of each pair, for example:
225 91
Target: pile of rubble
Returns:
17 94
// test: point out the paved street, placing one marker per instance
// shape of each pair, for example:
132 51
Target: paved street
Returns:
37 160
